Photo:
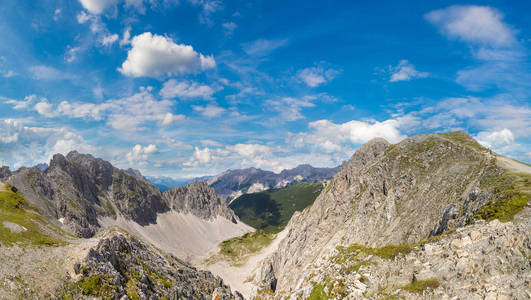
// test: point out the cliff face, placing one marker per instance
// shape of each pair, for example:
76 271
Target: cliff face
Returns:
199 199
387 195
78 188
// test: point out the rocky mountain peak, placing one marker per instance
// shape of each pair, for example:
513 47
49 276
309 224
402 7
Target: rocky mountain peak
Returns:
199 199
390 194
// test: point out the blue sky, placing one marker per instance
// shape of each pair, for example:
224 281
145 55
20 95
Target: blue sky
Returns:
194 87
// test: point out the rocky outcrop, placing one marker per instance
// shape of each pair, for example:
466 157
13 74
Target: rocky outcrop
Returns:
121 265
233 183
388 195
78 188
198 199
4 172
482 261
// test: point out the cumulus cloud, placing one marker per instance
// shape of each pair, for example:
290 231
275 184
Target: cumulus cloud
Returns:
316 76
141 153
186 90
476 24
202 155
331 137
154 55
45 108
405 71
26 145
496 139
209 111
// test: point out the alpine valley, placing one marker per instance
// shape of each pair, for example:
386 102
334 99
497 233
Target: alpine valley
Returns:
435 216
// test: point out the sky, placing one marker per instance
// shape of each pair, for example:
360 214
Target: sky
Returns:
195 87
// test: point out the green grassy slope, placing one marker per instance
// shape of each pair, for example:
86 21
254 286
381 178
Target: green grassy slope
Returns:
33 229
271 210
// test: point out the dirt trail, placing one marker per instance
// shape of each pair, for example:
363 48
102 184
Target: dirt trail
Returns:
512 165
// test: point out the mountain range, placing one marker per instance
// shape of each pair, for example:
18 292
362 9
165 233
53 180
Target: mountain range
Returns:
435 216
234 183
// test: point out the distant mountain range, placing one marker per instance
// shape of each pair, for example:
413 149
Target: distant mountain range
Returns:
234 183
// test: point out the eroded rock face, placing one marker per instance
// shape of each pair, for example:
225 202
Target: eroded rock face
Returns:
387 194
78 188
4 172
125 266
199 199
482 261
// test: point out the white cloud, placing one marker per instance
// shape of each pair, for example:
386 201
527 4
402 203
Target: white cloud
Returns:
97 6
42 72
229 27
250 150
331 137
186 90
110 39
316 76
263 47
493 43
24 145
57 14
496 139
124 114
45 108
140 153
22 104
476 24
405 71
208 8
71 53
290 108
170 118
209 111
126 37
202 156
158 56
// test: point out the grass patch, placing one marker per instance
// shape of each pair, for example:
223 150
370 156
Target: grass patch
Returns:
512 192
271 210
318 293
418 286
34 229
357 253
236 250
97 285
465 139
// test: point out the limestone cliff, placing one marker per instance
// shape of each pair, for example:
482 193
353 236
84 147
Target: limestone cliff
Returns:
199 199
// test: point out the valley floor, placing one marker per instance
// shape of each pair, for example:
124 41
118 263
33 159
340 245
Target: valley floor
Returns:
241 278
